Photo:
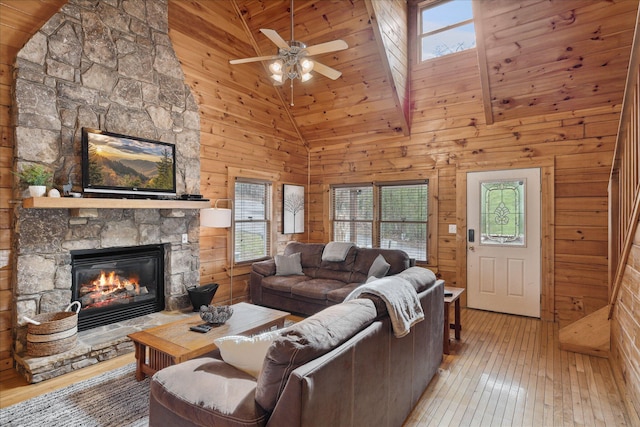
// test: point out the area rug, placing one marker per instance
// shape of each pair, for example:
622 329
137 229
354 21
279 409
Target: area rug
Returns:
114 398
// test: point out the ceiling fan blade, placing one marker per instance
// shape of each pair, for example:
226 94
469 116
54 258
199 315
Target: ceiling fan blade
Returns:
327 47
254 59
333 74
275 38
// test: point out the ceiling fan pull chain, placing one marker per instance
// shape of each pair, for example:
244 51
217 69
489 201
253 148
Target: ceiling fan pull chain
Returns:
292 91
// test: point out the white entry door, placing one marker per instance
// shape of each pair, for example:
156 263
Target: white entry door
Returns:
503 241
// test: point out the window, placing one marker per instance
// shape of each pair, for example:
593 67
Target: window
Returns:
389 216
445 27
502 213
353 215
252 220
403 219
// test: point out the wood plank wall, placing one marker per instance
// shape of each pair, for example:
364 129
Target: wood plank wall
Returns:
448 131
241 134
19 20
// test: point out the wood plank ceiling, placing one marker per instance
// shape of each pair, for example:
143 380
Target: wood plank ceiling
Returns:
536 57
363 101
544 57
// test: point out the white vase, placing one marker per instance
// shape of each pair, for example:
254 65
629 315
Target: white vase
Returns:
37 190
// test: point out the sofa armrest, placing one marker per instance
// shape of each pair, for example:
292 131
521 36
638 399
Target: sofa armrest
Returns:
260 270
204 391
265 268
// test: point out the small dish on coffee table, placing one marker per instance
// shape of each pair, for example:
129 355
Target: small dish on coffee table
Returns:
216 315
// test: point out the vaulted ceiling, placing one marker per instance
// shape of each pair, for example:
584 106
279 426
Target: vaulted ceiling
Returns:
535 57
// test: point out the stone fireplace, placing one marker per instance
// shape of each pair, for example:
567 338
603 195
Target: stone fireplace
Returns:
110 65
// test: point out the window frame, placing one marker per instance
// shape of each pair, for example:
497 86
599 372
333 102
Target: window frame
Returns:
429 177
234 174
370 221
378 212
268 221
421 35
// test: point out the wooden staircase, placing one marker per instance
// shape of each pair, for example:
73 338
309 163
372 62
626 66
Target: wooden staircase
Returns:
592 334
589 335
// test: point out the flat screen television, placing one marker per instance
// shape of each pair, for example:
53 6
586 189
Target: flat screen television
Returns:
127 165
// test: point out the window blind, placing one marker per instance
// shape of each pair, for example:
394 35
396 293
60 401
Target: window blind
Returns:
252 222
403 218
353 215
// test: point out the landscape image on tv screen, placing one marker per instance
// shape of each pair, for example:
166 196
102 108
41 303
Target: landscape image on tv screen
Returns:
118 162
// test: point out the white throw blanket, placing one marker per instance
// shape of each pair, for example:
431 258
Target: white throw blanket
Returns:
336 251
401 299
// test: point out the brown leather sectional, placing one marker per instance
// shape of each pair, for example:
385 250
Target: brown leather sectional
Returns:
324 283
340 367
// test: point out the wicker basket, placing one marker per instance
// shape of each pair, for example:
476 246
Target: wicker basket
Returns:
55 333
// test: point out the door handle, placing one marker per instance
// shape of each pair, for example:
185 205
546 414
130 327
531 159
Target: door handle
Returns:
472 248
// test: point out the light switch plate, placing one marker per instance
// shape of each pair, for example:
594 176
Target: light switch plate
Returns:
452 229
185 238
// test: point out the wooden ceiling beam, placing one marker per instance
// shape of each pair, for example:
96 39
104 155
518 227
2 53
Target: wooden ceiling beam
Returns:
483 65
392 42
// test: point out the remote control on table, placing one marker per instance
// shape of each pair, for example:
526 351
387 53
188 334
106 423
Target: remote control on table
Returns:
201 328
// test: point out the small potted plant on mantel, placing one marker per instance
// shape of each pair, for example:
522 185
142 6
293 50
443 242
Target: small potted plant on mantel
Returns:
37 178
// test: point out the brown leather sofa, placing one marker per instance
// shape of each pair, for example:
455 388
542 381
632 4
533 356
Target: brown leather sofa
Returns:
340 367
323 283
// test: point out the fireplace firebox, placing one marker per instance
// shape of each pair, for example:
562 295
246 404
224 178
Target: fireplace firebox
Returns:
115 284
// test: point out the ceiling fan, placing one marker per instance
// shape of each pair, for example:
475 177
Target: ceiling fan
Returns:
292 60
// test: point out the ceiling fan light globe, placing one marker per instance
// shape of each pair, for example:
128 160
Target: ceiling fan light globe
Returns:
276 67
277 77
306 77
306 65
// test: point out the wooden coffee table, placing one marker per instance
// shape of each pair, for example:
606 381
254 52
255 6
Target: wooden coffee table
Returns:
170 344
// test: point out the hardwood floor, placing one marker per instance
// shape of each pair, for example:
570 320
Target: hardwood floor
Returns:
506 371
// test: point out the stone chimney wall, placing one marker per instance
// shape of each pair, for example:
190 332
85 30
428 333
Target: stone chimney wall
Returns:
110 65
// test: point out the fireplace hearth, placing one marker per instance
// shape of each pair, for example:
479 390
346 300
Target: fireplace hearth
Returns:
117 283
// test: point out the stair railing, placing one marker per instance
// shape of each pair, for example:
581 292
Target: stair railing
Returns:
624 181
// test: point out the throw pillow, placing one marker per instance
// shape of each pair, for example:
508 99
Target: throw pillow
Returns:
288 265
379 267
246 353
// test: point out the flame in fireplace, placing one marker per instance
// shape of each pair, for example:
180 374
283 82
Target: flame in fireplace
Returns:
109 287
111 283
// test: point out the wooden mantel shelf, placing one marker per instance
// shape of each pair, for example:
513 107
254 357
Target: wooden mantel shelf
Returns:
106 203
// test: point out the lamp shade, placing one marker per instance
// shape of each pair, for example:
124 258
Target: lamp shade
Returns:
215 217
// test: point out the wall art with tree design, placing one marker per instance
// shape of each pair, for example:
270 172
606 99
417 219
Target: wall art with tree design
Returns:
293 209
